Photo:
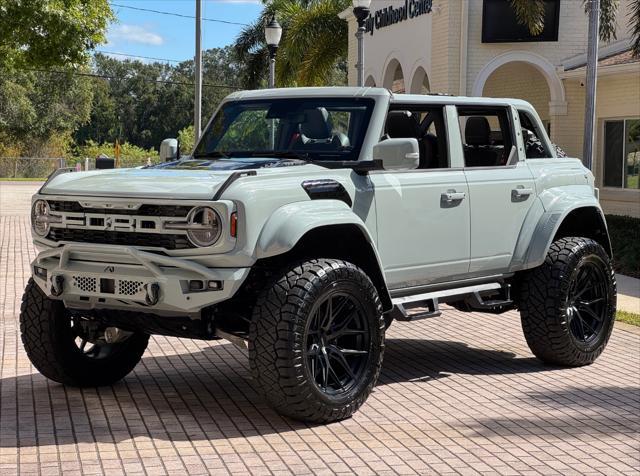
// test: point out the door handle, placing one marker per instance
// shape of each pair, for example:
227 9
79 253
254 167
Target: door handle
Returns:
452 196
521 193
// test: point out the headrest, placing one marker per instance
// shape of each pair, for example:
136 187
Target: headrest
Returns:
477 131
402 124
316 124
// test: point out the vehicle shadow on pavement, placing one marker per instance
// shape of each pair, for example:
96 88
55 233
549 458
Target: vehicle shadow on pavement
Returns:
203 395
422 359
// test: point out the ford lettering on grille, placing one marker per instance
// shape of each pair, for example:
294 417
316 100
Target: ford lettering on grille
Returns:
139 225
103 222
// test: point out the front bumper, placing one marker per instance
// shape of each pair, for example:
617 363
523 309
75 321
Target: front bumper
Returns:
88 276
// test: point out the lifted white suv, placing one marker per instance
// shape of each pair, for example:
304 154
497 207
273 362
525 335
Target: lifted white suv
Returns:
304 222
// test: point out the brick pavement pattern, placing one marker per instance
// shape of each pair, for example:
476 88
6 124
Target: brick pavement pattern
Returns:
458 394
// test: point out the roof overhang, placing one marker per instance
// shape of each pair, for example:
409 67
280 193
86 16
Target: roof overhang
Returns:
612 70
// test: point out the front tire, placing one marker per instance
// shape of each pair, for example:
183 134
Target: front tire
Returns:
59 346
317 340
568 304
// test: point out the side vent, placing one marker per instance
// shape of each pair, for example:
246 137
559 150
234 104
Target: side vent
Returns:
324 189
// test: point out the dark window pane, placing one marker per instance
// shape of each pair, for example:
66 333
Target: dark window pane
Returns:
486 133
613 149
500 23
632 154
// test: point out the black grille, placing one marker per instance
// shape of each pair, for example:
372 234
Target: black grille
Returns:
169 242
144 210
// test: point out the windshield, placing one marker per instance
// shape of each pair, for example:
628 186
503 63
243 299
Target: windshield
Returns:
302 128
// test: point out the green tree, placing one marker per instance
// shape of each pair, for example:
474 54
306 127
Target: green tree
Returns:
130 155
43 33
313 48
39 111
634 23
187 139
144 103
531 14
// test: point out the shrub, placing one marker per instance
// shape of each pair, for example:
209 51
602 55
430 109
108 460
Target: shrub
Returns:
625 241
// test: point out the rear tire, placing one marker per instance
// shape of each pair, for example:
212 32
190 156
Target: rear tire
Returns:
568 304
49 336
317 340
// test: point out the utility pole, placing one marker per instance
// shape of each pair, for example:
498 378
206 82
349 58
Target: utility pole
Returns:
591 83
198 71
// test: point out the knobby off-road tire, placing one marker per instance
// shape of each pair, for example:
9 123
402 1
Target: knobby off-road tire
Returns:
50 343
309 324
568 304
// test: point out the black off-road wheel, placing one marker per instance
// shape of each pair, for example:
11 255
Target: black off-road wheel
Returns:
568 304
317 340
69 349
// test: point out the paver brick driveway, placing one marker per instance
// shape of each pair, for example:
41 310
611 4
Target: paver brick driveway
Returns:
457 394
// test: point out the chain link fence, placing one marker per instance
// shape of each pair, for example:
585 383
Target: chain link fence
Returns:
29 167
42 167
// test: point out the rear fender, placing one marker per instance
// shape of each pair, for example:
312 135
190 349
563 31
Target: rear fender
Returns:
557 213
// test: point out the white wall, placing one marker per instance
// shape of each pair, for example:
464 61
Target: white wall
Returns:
408 42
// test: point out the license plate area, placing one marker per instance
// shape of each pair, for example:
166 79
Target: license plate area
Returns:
107 286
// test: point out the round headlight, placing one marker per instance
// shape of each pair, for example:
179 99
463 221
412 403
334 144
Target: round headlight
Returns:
40 214
204 226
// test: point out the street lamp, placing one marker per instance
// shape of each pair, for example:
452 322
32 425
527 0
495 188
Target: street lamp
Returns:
272 35
361 12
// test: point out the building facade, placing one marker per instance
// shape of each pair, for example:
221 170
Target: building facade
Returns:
476 48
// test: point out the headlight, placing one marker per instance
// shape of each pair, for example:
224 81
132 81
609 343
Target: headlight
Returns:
41 218
203 226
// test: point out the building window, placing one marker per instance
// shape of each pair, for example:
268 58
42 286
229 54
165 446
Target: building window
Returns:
500 23
622 153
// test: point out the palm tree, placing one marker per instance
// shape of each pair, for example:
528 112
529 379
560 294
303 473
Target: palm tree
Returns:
531 14
314 41
634 23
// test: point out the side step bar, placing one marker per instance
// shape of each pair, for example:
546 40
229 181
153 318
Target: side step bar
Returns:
472 295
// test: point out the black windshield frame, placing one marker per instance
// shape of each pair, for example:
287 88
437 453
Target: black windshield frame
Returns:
359 110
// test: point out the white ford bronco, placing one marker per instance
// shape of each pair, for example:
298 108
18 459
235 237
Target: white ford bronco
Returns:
304 222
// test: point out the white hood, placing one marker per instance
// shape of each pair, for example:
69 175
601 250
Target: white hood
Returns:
155 183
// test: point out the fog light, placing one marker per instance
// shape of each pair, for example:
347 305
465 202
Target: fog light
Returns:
196 285
40 272
214 285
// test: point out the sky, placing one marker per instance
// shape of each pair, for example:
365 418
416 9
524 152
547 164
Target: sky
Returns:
156 35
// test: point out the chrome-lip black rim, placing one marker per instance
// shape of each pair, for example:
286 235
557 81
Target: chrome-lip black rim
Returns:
337 343
587 301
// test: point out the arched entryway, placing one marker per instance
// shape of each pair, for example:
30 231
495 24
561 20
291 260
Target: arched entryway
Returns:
521 81
394 77
420 82
525 75
370 82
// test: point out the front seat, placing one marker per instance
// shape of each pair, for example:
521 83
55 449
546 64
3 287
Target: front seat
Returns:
316 132
478 151
403 124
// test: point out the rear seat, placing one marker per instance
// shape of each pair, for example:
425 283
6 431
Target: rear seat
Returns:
479 150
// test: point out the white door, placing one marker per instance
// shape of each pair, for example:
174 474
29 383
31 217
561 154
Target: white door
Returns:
501 187
423 225
500 200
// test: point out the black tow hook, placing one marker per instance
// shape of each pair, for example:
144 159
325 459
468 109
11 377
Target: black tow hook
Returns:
153 294
57 285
